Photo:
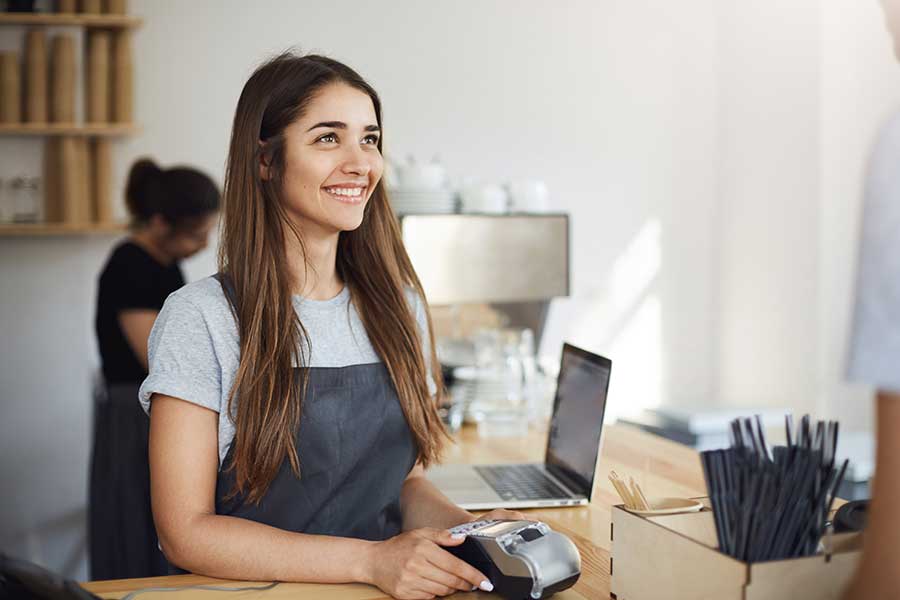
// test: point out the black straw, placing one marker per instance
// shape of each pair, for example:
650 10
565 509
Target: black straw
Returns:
773 503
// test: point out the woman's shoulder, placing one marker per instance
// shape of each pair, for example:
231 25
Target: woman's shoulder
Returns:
127 256
126 249
413 298
417 306
196 315
205 296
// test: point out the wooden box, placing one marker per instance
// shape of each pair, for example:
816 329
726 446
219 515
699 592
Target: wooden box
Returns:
676 557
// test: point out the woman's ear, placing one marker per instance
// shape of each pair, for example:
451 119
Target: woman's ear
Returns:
265 161
159 227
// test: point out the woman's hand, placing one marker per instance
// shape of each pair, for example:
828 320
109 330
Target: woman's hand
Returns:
413 566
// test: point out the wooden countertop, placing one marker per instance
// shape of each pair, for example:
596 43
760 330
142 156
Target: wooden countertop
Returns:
662 467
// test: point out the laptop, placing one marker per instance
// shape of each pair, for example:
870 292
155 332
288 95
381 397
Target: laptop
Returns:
566 476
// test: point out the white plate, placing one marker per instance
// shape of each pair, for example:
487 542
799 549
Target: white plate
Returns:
668 506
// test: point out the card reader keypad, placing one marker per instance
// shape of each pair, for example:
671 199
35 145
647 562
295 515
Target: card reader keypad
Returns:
467 528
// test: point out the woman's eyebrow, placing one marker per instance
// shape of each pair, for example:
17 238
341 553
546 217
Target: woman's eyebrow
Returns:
340 125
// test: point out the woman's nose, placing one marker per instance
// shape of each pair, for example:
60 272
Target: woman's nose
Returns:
356 162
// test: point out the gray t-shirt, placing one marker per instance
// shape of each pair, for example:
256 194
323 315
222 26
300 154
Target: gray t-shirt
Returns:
875 339
194 351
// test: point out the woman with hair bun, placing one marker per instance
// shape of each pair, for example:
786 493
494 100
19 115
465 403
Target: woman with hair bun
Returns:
172 212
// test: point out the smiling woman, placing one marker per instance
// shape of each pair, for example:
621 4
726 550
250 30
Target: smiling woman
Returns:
294 403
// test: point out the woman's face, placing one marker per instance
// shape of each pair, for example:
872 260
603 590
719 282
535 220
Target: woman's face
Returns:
184 242
332 161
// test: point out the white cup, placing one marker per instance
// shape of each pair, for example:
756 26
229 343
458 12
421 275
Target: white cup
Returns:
422 177
528 196
484 199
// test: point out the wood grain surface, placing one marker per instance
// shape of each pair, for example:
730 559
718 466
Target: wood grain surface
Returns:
662 467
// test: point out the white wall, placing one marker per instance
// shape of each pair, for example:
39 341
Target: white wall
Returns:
768 195
709 153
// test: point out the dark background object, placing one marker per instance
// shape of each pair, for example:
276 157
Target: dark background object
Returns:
22 580
20 6
851 516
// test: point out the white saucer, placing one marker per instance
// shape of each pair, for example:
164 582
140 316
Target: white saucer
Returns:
669 506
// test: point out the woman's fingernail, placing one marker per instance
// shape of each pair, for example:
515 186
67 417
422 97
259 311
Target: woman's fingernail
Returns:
486 586
458 536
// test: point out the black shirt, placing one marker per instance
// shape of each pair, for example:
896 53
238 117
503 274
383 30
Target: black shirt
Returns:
131 279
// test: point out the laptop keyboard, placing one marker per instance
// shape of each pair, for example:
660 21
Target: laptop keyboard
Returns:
520 482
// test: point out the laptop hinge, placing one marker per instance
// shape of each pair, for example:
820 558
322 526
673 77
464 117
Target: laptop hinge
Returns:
570 484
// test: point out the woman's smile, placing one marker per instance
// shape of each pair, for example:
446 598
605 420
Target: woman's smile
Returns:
352 193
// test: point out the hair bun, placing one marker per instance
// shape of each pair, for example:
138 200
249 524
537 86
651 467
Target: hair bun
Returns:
177 194
144 167
142 192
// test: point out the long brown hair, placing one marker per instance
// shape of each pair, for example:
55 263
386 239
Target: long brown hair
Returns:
264 402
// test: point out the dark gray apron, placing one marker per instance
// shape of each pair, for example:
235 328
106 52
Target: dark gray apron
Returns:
121 535
355 450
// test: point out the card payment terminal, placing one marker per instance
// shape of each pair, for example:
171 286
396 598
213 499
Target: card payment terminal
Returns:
523 559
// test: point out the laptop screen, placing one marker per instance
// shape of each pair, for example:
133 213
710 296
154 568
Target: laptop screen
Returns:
574 439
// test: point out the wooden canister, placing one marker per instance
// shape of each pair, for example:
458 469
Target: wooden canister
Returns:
36 76
85 185
91 6
69 182
65 6
101 173
97 84
122 78
52 205
115 7
62 79
10 88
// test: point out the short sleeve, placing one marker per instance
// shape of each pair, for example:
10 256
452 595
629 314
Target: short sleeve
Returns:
182 357
422 323
874 356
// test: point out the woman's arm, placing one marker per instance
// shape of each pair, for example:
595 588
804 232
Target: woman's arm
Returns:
136 324
183 470
878 575
423 505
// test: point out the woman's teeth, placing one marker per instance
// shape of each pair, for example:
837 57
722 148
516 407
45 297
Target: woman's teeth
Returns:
345 193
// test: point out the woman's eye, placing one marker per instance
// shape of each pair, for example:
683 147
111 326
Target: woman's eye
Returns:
332 138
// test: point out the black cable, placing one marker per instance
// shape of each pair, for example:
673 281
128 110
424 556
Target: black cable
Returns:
217 588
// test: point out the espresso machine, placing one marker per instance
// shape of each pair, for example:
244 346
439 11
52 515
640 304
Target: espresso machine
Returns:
486 273
514 263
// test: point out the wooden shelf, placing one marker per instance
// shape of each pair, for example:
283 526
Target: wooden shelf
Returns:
73 129
60 229
71 20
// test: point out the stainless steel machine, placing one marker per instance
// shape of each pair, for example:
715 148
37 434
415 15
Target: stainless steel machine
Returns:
516 263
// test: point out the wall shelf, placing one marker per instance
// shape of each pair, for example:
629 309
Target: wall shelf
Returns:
71 20
60 229
119 25
69 129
